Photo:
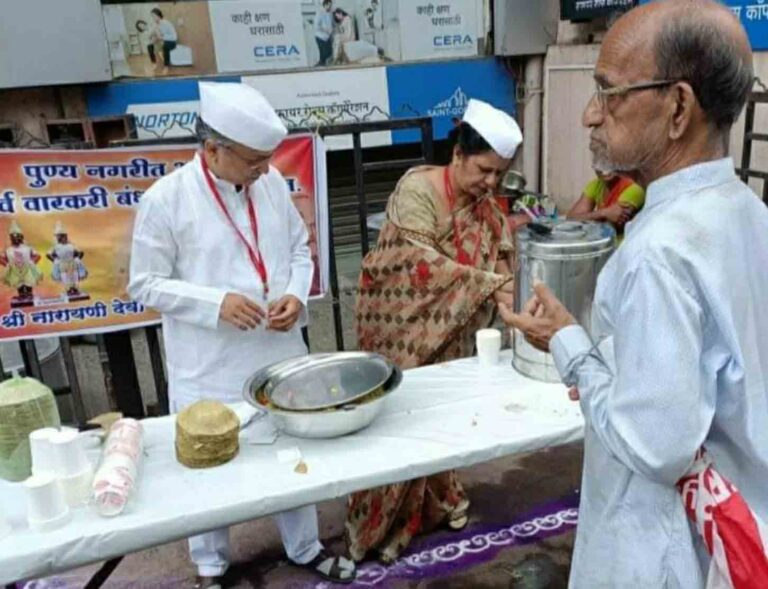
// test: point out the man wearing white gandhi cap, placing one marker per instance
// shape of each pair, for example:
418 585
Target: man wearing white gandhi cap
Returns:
220 251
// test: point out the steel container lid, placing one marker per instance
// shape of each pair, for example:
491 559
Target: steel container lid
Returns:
566 239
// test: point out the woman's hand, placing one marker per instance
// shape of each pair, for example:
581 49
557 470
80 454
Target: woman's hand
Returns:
617 214
505 298
508 287
518 220
505 294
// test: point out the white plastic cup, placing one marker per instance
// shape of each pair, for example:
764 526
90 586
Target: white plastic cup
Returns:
488 343
77 489
69 454
46 508
43 459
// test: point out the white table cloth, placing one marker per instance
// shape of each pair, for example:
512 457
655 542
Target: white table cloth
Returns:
445 416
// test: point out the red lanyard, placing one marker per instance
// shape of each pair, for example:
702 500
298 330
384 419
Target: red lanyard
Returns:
463 256
253 254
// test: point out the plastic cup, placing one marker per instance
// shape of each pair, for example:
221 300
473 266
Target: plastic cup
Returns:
488 343
46 507
43 459
69 454
77 489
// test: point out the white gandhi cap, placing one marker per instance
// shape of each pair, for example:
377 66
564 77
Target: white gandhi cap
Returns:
242 114
495 126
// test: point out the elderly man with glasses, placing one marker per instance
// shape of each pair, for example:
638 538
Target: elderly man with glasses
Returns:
677 356
221 252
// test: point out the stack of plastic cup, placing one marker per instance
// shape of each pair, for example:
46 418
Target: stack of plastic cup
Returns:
43 460
115 479
72 467
488 346
46 507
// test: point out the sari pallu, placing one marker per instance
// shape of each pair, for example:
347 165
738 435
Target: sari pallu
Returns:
417 305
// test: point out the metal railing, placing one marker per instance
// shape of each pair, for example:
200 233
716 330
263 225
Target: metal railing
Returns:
746 171
357 130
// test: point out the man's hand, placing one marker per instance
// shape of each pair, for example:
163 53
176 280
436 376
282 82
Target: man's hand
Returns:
284 313
241 312
541 318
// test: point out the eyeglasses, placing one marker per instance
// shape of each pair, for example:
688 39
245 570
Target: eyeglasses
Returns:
251 164
603 94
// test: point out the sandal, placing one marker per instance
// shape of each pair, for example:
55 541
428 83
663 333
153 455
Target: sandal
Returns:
459 518
336 569
458 522
208 583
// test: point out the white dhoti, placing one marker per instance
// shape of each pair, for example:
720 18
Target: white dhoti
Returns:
298 529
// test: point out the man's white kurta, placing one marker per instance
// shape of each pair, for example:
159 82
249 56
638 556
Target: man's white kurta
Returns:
681 316
186 257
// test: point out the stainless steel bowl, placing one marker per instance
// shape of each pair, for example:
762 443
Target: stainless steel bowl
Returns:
321 381
327 423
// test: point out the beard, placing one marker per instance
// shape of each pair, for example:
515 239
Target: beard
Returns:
606 163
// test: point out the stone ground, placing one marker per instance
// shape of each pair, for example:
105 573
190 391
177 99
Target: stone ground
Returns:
508 491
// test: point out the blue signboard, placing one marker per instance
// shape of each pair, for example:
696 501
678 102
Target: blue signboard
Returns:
168 108
115 98
441 90
753 15
164 109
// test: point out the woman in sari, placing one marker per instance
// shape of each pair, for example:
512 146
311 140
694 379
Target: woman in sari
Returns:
440 266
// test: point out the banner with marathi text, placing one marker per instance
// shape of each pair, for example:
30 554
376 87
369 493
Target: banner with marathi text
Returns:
66 223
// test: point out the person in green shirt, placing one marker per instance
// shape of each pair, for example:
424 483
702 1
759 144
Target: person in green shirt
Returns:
609 198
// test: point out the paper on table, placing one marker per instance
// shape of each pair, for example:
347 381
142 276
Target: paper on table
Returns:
245 413
259 432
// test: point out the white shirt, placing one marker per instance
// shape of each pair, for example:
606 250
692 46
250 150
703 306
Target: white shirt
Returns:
186 257
681 315
167 31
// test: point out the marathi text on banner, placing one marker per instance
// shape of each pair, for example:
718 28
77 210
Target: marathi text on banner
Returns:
252 36
66 221
438 30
